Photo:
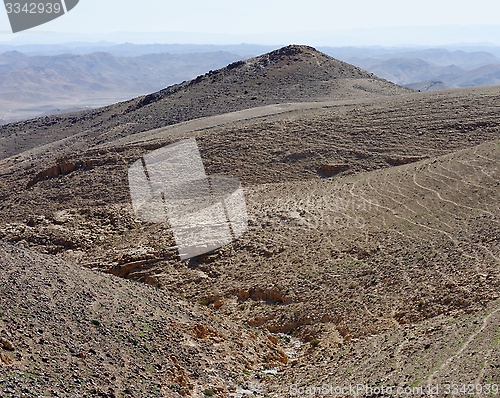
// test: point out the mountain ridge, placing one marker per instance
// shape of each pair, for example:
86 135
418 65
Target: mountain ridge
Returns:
291 74
33 84
240 72
371 241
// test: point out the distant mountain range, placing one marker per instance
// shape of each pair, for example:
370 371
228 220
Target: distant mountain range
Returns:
136 50
50 79
290 74
431 68
32 85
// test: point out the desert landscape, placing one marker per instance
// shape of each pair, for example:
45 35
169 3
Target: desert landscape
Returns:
371 256
41 80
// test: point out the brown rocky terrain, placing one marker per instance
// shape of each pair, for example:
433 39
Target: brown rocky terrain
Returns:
68 331
371 256
290 74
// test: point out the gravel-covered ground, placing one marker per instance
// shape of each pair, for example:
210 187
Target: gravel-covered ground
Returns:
371 255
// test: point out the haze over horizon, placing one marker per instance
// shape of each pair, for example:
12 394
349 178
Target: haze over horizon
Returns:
316 23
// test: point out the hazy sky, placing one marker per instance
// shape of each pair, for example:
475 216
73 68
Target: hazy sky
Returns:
262 20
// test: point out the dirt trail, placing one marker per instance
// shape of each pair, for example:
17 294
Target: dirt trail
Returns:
192 126
176 131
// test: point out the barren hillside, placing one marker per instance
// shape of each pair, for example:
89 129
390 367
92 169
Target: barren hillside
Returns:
371 255
290 74
69 331
32 86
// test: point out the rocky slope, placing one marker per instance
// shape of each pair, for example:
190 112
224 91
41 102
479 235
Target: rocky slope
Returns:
68 331
290 74
32 86
371 254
